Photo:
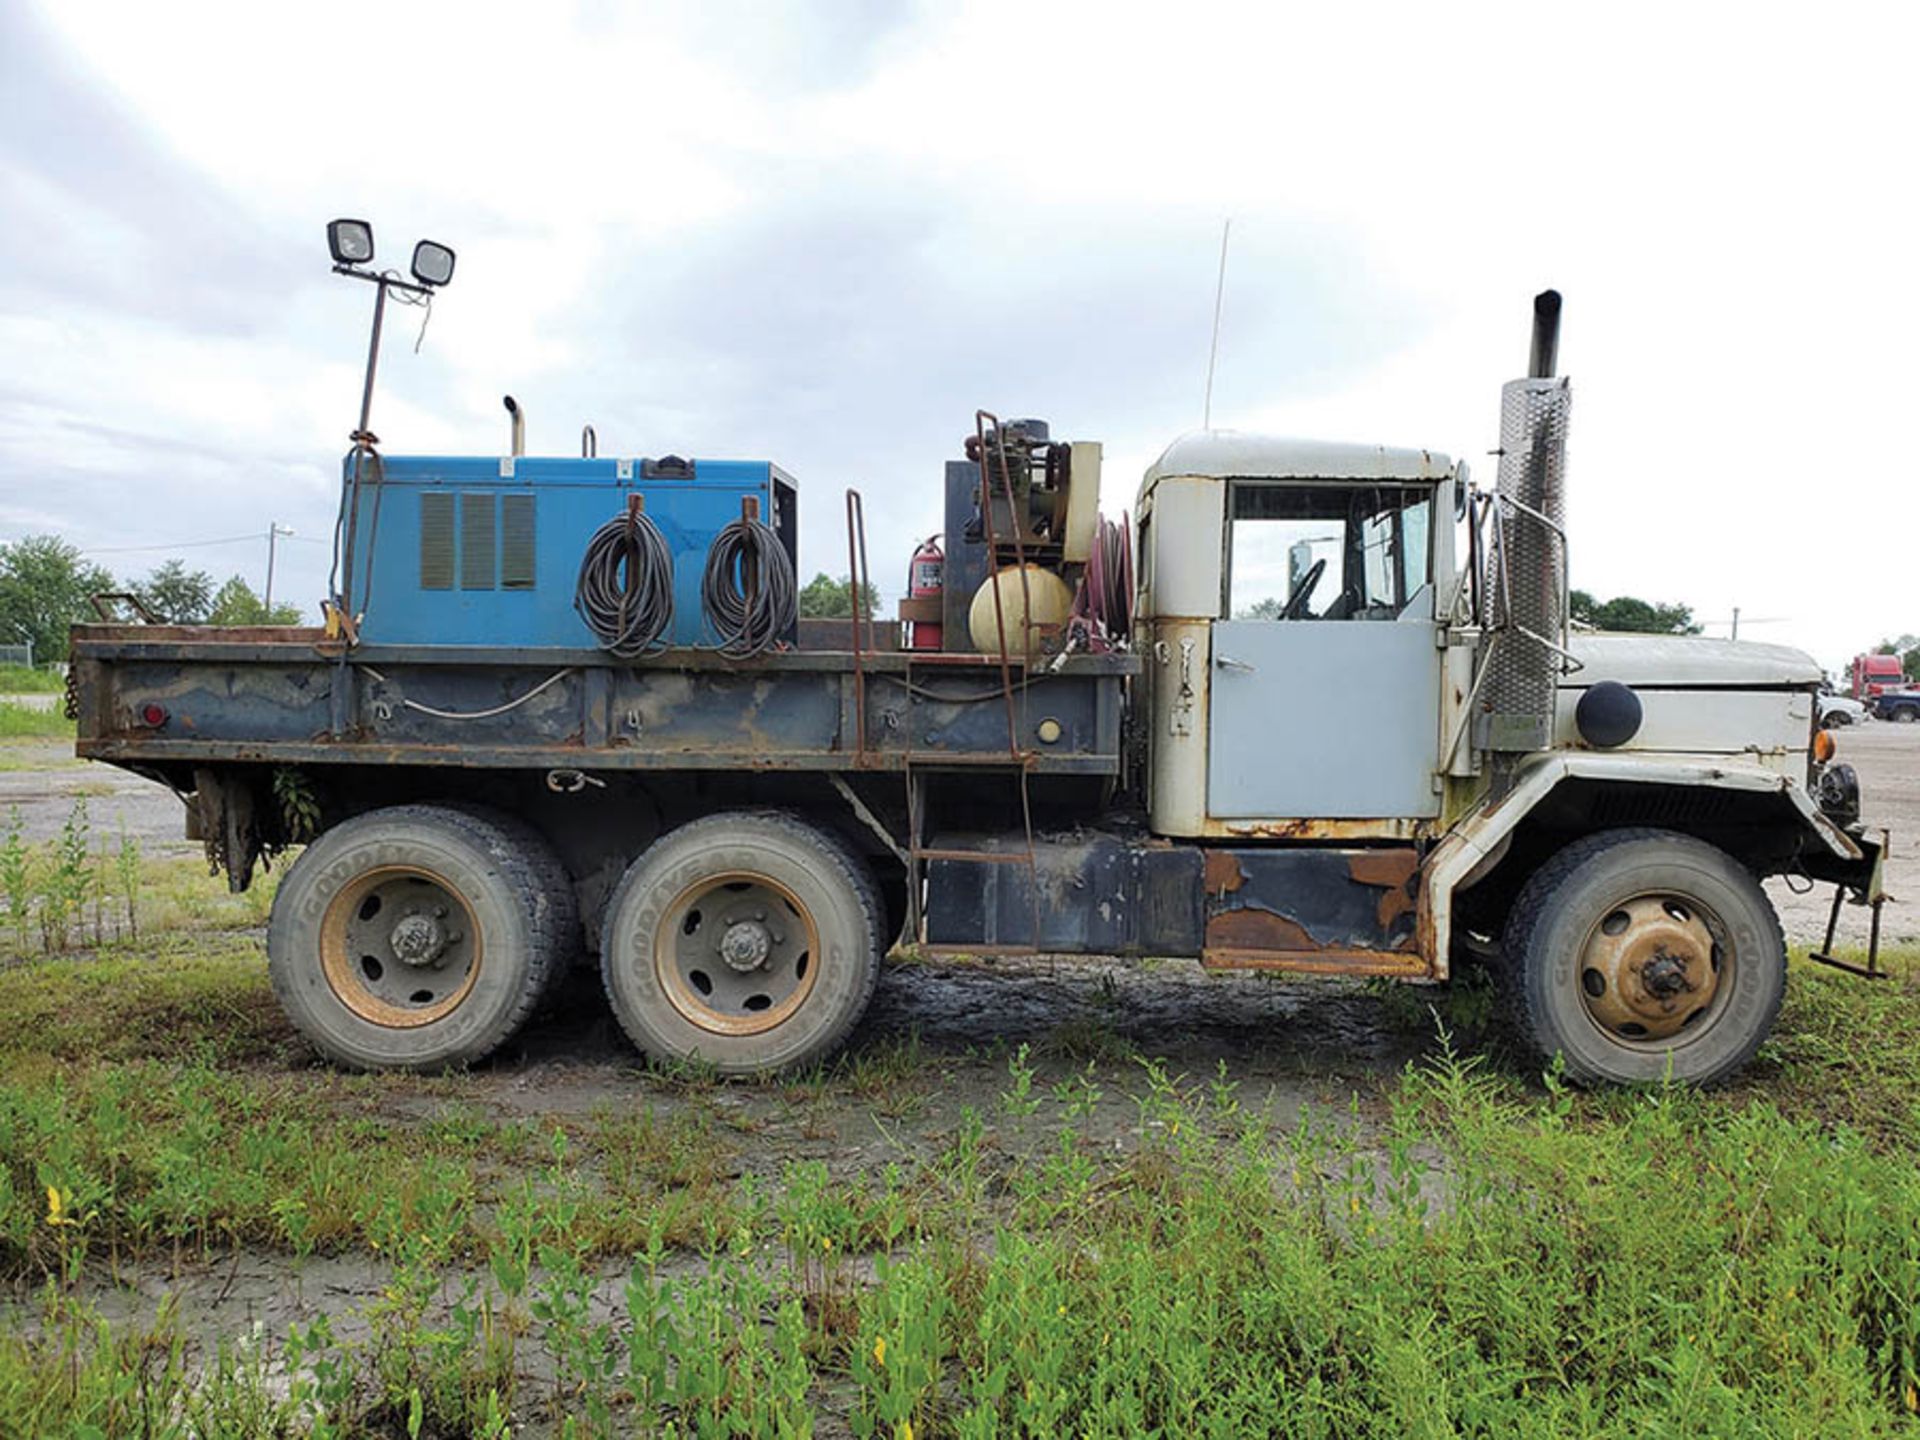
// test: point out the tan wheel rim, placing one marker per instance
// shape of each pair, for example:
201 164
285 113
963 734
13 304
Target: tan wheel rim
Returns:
736 954
1653 968
400 947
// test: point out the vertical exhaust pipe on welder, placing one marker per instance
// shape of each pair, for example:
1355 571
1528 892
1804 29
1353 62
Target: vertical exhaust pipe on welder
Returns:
519 423
1526 567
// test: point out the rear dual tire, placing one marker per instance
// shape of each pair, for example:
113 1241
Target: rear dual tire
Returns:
747 942
420 937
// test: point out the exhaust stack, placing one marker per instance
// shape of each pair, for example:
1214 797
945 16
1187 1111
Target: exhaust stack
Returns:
1546 335
519 423
1527 560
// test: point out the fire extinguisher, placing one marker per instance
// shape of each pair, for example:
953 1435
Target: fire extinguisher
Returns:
926 579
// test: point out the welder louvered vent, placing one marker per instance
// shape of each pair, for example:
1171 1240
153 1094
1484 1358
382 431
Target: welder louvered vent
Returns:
477 542
516 542
436 541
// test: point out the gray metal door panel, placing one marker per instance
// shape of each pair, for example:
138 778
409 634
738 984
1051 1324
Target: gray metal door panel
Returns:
1324 720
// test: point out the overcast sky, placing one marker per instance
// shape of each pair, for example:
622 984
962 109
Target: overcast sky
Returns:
823 234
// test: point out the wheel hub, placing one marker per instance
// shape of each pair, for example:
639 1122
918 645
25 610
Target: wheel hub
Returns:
1650 969
399 946
417 940
736 953
746 945
1665 976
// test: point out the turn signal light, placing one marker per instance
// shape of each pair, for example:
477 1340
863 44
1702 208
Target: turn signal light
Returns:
1823 746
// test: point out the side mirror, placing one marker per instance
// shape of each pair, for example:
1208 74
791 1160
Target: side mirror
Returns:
351 242
432 263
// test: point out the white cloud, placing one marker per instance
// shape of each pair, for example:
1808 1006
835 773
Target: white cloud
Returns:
1718 190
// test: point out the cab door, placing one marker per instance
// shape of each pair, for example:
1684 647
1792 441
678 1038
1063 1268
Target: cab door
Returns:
1326 671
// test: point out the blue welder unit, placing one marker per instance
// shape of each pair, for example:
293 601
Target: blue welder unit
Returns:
485 550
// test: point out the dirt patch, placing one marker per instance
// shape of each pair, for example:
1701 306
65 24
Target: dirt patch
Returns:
42 779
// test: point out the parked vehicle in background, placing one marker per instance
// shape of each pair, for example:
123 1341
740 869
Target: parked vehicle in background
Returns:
1899 705
1872 674
1837 710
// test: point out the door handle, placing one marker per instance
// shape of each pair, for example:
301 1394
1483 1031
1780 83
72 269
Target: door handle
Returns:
1227 662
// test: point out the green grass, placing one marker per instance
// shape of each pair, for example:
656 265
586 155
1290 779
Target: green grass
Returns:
19 680
1471 1251
39 755
27 722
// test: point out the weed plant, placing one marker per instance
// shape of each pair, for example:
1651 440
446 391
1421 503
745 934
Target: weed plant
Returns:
30 680
1465 1251
33 722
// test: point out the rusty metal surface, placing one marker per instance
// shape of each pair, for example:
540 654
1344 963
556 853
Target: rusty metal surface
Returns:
1348 911
202 643
1098 894
1320 962
286 703
1401 828
1314 909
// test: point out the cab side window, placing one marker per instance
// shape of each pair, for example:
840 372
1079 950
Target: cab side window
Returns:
1327 551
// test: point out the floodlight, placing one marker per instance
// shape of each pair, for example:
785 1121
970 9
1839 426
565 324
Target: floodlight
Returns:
432 263
351 241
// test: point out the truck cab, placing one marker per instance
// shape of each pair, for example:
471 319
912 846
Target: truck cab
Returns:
1290 603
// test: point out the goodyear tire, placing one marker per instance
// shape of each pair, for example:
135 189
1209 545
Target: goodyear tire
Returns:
418 937
749 942
550 878
1643 954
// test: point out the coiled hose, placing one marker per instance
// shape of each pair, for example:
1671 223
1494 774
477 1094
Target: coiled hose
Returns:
748 591
1103 605
625 589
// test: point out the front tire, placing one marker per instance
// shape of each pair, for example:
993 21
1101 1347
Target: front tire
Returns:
1639 955
417 937
749 942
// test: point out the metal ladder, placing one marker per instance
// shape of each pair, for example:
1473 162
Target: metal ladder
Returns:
917 763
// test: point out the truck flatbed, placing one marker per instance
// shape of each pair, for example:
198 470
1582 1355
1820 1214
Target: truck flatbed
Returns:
172 697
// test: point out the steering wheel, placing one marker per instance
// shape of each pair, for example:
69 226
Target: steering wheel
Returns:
1296 605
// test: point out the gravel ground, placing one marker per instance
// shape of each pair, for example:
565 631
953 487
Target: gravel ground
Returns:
42 779
1887 758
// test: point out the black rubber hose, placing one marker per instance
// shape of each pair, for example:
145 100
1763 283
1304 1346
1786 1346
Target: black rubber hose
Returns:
748 591
625 589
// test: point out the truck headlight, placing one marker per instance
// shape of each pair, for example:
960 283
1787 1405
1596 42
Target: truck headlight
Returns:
1838 794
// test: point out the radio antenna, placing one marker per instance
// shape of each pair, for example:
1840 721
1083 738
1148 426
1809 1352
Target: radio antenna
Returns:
1213 350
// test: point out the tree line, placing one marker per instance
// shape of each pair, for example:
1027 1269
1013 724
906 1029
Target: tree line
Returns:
47 585
1629 613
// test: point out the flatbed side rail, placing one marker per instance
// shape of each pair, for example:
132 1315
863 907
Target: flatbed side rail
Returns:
185 701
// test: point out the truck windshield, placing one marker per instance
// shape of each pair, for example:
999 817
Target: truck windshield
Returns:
1367 543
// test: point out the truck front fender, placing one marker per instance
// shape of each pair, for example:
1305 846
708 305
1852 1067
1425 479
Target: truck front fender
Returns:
1478 841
